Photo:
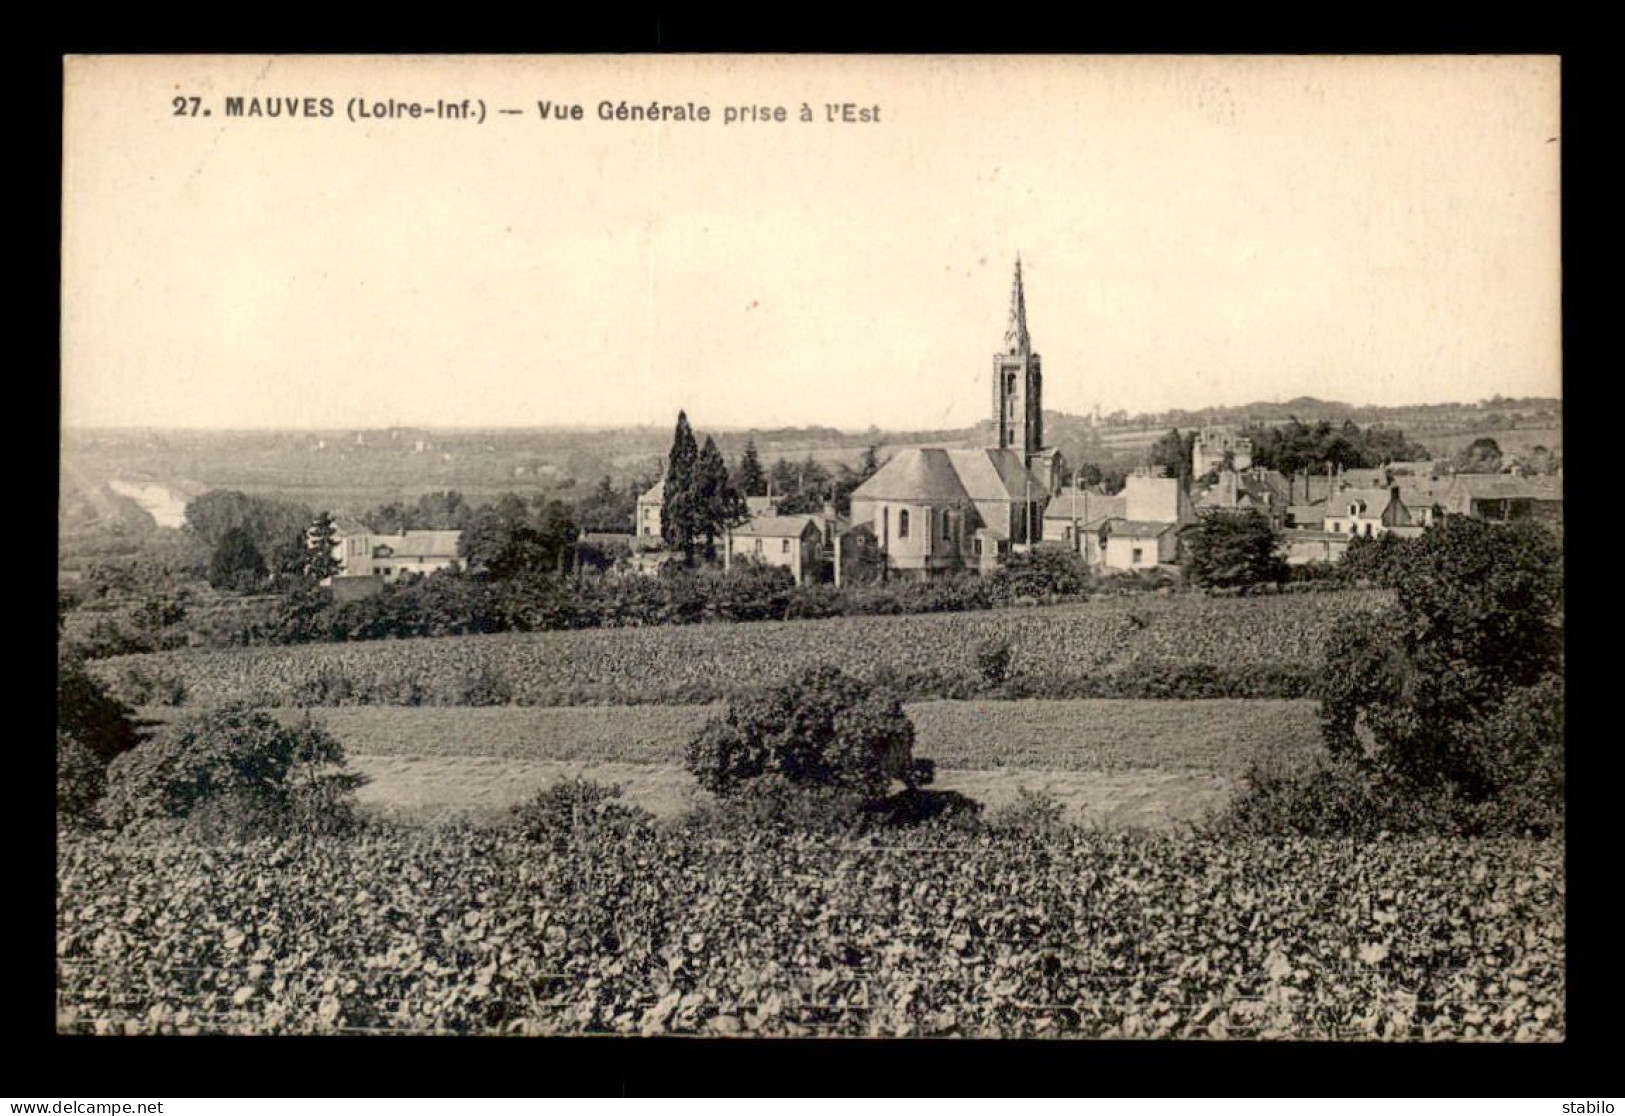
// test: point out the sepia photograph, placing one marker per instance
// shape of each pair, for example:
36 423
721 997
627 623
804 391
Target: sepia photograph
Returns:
812 546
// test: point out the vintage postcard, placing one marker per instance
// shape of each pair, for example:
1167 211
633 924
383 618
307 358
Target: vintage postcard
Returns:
803 546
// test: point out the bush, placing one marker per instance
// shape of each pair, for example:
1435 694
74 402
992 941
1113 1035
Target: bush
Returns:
1040 574
81 780
1035 813
1231 549
993 661
821 727
574 810
93 728
234 771
774 804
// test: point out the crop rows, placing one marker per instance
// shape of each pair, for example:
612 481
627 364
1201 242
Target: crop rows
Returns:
935 933
1179 646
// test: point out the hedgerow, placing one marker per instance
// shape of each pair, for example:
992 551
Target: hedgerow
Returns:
1178 646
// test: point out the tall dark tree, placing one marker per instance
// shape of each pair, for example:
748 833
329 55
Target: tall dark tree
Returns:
678 518
751 480
1172 454
236 564
717 505
320 558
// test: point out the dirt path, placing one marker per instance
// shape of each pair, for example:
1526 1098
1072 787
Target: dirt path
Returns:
484 787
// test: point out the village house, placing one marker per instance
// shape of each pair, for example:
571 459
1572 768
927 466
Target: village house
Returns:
1075 517
1369 513
795 542
367 554
1503 497
934 510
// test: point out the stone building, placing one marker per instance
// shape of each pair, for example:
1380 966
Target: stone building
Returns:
934 510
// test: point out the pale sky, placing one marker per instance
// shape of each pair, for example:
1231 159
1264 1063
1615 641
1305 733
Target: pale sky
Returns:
1194 232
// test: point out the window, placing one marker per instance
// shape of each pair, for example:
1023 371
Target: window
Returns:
785 549
758 546
977 547
1368 530
1138 554
947 527
902 524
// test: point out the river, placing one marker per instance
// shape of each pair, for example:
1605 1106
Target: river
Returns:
163 503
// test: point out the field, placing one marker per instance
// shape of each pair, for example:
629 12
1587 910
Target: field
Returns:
1112 763
1241 647
935 933
1519 440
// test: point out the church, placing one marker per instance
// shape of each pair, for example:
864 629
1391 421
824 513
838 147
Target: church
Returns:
935 510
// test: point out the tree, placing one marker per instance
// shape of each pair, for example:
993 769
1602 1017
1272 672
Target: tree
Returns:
717 506
1477 632
236 564
678 524
1172 454
506 540
820 727
1231 548
1482 456
751 481
240 767
93 728
321 559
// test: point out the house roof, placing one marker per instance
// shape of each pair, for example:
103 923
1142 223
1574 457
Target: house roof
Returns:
1506 486
423 544
657 493
1085 505
1138 528
918 473
349 525
779 526
1306 512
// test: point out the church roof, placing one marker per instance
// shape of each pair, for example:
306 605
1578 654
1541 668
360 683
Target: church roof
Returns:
917 473
1016 337
996 474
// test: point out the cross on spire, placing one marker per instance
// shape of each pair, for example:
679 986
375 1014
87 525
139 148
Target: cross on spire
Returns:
1016 339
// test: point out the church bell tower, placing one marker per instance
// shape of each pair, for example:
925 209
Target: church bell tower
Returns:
1018 383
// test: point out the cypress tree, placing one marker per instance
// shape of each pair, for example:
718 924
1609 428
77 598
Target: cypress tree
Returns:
677 503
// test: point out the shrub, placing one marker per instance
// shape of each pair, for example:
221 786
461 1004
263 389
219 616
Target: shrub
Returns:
1040 574
81 780
234 770
93 728
993 661
820 727
1231 549
774 804
573 810
1036 813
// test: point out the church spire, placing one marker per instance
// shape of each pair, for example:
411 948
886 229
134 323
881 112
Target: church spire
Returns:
1016 339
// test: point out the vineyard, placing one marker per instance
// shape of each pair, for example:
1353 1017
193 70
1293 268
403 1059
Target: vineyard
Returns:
933 932
1183 646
